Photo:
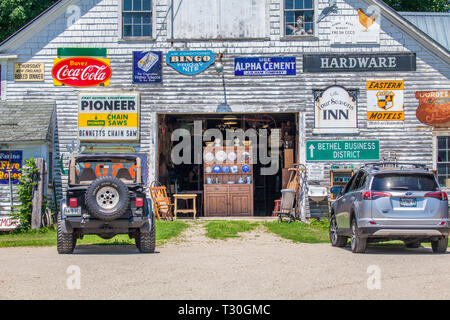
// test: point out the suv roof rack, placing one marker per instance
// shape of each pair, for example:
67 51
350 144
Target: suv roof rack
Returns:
387 165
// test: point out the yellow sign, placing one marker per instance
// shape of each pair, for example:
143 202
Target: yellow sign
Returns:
29 71
385 103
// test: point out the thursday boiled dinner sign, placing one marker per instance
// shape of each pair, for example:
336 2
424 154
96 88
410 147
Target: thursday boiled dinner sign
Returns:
109 116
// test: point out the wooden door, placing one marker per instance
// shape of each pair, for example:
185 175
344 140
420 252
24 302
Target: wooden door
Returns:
216 204
239 204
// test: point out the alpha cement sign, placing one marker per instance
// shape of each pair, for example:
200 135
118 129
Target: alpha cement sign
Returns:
385 103
109 116
338 150
265 66
335 110
378 62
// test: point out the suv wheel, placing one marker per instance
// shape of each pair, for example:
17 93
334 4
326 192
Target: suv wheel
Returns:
440 246
145 241
66 242
358 243
336 240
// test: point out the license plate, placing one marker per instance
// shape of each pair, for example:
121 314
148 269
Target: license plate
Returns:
408 203
69 211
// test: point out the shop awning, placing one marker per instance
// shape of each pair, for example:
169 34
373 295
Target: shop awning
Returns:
25 121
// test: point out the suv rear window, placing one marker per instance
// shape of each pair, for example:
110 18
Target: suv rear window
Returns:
402 182
89 170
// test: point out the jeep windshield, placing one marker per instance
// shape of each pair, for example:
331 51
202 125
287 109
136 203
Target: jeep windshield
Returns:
404 182
87 170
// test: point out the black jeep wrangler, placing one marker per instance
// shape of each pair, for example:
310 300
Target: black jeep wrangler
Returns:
106 197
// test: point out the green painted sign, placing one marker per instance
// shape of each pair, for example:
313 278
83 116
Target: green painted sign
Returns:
81 52
338 150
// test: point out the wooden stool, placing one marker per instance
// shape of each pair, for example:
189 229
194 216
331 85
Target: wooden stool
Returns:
186 196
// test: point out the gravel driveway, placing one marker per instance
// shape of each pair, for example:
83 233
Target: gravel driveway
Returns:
257 266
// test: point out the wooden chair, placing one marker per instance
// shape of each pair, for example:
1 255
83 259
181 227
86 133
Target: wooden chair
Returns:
161 202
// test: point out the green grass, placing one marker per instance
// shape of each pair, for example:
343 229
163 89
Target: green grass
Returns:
228 229
316 232
165 230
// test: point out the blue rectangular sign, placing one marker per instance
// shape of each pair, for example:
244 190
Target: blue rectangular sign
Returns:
277 66
147 67
10 164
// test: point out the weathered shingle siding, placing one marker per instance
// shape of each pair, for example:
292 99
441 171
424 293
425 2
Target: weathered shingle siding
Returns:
98 27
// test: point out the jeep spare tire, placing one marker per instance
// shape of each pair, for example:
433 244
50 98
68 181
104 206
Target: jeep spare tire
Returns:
107 198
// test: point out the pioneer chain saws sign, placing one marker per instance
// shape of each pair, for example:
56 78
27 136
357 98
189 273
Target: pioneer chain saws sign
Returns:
81 72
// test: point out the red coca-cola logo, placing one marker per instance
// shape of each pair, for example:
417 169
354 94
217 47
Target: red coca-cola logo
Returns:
81 72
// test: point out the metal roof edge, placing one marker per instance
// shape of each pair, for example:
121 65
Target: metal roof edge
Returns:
420 36
30 26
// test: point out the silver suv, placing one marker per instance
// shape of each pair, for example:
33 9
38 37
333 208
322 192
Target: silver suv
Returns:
390 201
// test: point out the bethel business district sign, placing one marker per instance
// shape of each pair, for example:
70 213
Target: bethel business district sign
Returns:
335 150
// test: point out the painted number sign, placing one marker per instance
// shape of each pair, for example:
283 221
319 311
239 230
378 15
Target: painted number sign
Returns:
10 165
335 150
190 62
284 66
108 117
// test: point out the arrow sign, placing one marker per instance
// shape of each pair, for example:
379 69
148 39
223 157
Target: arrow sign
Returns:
312 148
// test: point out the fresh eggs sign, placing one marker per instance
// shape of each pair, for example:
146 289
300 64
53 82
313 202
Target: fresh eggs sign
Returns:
81 72
190 62
335 110
108 116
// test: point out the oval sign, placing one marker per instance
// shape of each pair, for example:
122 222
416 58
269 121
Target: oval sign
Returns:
190 62
81 72
434 107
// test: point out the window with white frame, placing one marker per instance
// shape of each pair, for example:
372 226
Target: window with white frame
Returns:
443 160
299 17
136 18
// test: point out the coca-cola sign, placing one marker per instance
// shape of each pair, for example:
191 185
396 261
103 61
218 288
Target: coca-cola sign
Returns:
81 72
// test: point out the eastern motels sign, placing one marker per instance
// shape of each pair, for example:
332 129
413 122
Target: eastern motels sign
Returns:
385 103
108 116
81 72
335 110
434 107
380 62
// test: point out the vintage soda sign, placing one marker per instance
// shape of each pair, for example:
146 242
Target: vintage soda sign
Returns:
81 72
190 62
147 67
109 116
10 165
277 66
434 107
385 103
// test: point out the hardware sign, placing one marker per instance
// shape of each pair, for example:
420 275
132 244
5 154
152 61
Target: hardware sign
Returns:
190 62
147 66
338 150
284 66
81 72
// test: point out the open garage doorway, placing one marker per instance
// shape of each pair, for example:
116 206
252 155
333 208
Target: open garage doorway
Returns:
225 176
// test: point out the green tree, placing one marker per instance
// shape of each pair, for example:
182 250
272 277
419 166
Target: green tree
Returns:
14 14
420 5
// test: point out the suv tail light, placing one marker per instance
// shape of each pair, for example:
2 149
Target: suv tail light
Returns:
139 202
437 195
369 195
73 202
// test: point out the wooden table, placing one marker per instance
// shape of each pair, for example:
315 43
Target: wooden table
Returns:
185 196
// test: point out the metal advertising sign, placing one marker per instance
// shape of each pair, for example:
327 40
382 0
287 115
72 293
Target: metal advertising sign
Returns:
81 72
277 66
108 116
190 62
434 107
10 165
335 150
380 62
335 109
29 71
385 103
147 67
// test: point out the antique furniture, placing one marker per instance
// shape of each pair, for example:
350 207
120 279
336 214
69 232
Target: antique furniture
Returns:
185 196
161 202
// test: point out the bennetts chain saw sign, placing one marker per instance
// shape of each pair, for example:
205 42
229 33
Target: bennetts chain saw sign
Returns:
359 62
